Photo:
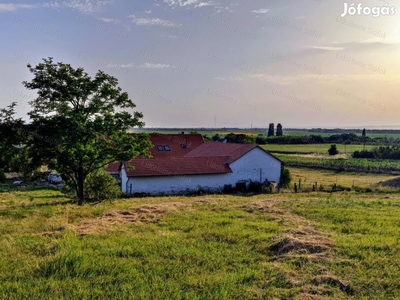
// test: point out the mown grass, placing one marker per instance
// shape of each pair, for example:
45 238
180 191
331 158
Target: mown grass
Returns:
208 247
366 231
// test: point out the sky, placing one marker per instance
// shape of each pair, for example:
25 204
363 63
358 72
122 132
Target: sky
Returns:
201 63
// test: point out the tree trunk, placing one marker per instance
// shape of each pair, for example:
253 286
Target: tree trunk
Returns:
81 180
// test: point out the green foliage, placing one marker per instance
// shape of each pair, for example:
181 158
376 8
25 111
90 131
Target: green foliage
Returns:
2 176
79 123
11 136
333 150
100 186
279 130
363 154
286 178
240 138
271 130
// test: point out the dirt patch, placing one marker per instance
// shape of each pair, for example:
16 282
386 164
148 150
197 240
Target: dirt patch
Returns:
141 214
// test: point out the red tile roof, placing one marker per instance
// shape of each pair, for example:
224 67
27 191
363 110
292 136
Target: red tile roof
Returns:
113 167
179 144
233 151
169 166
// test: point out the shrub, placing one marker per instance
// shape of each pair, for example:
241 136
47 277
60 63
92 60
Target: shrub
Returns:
333 150
363 154
286 178
99 186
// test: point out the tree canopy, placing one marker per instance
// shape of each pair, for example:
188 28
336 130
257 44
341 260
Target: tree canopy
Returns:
80 124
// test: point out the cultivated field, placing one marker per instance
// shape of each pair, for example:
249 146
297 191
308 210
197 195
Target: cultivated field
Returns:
278 246
314 148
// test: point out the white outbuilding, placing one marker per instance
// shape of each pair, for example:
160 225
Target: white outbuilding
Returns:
184 163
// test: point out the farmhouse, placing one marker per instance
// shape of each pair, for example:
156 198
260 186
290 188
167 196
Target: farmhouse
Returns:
184 163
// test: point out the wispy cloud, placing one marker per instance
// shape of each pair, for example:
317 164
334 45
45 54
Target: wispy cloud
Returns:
143 66
188 3
201 4
260 11
107 20
155 66
83 6
326 48
13 7
152 22
87 6
180 2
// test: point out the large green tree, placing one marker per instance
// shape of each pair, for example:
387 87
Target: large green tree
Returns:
80 124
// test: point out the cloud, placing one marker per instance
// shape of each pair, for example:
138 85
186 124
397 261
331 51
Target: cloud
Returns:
326 48
87 6
152 22
188 3
180 2
155 66
13 7
83 6
260 11
201 4
143 66
107 20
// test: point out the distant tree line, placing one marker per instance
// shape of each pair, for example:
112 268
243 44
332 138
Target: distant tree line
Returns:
382 152
344 138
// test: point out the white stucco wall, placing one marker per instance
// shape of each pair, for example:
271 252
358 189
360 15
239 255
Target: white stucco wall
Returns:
176 184
245 168
249 165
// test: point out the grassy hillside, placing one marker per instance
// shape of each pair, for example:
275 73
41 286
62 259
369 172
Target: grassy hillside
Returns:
305 246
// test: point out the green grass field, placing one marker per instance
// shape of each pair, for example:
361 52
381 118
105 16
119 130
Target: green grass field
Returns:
279 246
314 148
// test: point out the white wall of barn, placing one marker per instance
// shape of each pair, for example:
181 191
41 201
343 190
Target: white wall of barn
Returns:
249 165
246 167
176 184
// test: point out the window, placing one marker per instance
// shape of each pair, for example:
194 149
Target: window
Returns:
160 148
167 148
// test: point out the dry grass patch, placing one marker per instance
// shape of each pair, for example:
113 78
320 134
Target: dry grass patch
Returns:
304 248
141 214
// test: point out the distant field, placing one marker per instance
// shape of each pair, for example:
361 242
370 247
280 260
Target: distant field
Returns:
256 131
328 178
314 148
280 246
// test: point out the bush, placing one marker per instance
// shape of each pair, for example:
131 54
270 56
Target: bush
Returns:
363 154
333 150
99 186
286 178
